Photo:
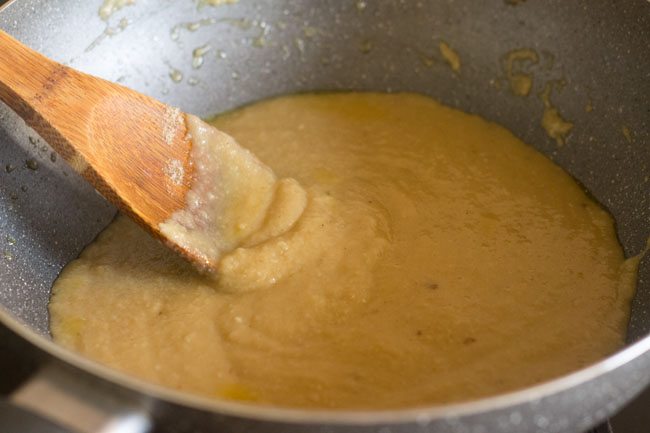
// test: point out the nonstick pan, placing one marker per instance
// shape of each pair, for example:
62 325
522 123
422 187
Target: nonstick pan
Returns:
593 58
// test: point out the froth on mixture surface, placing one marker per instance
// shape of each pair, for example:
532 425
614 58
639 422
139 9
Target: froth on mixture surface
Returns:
407 254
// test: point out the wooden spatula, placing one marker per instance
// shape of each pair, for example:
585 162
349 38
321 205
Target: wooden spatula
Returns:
132 148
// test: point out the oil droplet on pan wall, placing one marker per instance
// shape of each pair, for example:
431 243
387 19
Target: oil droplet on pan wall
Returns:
627 133
176 75
198 55
365 46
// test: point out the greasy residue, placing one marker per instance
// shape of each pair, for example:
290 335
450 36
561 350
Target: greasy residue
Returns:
198 55
365 46
552 121
109 7
626 133
176 75
516 64
191 26
216 2
106 10
450 55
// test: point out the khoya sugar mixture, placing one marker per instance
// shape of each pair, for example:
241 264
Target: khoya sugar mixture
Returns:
369 251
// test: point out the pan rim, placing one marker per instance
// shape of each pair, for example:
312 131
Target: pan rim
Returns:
422 415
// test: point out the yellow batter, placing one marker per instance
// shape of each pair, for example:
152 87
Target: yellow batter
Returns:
436 258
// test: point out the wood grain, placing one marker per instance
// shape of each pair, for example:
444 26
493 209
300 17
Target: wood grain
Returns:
132 148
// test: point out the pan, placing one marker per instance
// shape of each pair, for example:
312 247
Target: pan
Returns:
209 56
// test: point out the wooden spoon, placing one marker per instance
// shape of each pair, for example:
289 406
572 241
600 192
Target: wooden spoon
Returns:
132 148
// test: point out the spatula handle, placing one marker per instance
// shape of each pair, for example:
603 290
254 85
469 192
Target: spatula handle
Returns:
121 141
30 84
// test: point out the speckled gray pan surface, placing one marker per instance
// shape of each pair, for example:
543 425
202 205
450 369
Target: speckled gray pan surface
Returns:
594 56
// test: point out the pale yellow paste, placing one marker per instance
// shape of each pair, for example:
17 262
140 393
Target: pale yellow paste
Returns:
432 258
234 200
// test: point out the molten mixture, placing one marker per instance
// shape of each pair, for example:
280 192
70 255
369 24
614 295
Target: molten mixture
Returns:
411 254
